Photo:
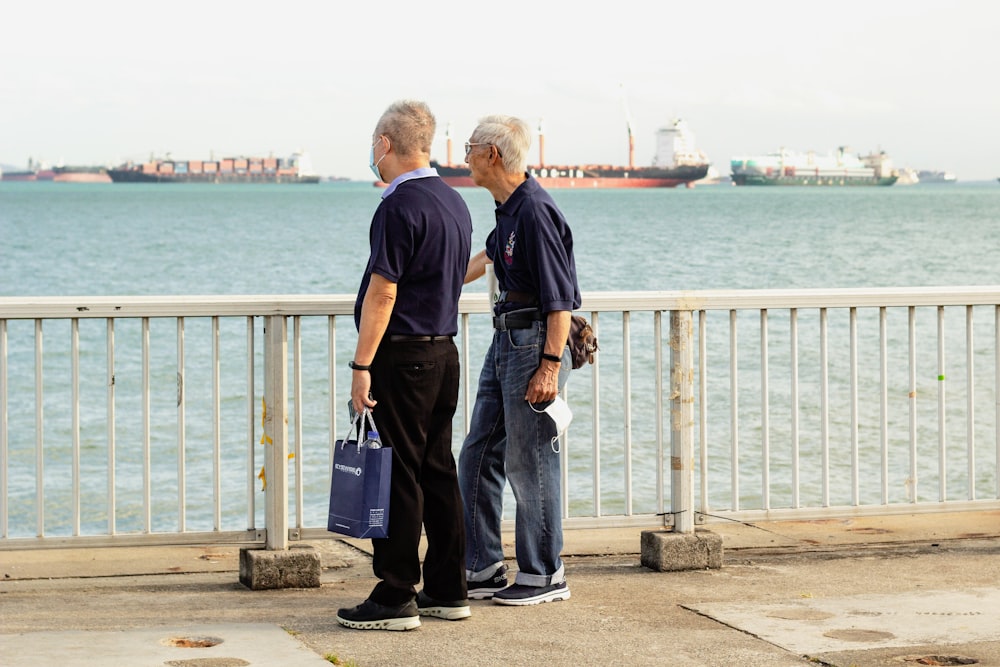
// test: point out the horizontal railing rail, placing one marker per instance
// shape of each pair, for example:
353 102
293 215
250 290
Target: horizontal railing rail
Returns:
191 419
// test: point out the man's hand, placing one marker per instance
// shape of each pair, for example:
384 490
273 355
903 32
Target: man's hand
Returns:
544 384
361 386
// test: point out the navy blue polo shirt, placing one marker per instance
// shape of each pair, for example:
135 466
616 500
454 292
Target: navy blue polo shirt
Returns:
421 236
532 249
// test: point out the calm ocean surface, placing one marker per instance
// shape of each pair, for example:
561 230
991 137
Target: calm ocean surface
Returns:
119 239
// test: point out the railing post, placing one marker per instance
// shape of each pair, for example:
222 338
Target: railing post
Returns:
681 421
681 548
277 566
276 432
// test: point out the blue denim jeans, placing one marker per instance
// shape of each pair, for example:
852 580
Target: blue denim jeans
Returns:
510 441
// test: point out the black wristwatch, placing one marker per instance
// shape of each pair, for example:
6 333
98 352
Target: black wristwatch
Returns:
358 367
551 357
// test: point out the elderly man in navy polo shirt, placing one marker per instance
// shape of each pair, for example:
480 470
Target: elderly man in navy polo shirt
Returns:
406 364
510 437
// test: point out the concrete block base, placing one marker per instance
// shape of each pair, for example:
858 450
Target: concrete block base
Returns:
667 551
298 567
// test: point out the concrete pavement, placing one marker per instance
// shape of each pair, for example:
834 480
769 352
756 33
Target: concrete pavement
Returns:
887 591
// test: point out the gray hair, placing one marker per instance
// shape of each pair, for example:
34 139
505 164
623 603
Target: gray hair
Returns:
510 135
410 127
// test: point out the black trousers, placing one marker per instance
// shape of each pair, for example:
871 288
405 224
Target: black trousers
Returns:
416 387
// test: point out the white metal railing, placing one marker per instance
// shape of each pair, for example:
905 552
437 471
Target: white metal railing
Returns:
166 420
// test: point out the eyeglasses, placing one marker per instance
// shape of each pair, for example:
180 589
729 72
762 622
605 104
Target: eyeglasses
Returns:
468 148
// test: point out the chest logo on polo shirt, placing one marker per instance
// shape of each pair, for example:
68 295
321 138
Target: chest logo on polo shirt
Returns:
508 253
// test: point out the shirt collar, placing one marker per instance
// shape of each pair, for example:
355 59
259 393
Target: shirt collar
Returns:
524 190
421 172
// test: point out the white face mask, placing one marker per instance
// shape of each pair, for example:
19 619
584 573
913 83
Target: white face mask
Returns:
372 164
560 413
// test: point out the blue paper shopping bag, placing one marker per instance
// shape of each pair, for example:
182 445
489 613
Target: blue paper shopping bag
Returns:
359 485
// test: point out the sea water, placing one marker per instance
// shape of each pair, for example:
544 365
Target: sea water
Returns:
132 239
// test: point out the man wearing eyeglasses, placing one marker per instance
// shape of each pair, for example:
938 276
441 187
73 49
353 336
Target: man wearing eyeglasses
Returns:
406 369
510 437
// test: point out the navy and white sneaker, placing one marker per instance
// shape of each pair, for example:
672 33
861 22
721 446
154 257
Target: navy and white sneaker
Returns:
521 595
484 590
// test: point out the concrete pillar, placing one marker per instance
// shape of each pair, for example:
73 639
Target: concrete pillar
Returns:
276 431
681 421
277 565
666 551
265 569
683 548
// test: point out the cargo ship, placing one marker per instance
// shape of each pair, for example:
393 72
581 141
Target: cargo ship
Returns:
80 175
294 169
790 168
676 162
19 175
36 171
938 177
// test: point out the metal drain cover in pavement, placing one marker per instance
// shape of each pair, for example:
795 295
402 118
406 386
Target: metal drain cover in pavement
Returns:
816 625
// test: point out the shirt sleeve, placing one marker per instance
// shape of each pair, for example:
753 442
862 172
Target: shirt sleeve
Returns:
392 244
491 244
551 259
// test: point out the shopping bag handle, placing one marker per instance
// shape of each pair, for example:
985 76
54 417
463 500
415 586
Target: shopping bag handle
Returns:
358 426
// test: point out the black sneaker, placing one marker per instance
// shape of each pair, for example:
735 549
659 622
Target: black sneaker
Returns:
521 595
484 590
450 611
371 615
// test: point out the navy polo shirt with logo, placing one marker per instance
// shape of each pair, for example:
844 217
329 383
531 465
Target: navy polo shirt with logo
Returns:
531 248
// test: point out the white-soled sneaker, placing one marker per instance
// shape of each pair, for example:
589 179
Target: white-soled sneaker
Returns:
521 595
449 611
484 590
371 615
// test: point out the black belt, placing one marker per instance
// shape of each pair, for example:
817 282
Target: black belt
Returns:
400 338
518 297
517 319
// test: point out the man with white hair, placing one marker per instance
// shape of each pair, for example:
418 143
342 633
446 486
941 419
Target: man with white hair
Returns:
511 438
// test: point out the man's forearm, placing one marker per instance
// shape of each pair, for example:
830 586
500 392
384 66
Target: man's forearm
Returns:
376 309
557 332
477 266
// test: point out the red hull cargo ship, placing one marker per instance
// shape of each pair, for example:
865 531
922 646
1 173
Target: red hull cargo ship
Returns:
676 162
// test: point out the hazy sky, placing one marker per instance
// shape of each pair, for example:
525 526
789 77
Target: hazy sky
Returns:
101 81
